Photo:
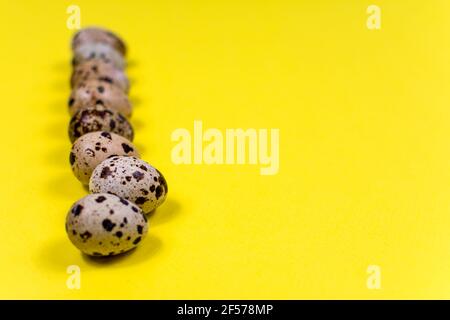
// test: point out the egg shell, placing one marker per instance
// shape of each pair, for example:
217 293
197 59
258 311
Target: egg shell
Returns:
105 225
98 92
88 51
98 35
132 179
98 69
91 149
99 118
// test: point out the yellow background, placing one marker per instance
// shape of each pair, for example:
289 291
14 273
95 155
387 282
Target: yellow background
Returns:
364 149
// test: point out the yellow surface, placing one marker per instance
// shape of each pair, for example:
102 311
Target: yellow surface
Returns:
364 149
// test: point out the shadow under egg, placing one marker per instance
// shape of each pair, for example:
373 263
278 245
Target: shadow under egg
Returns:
164 213
148 248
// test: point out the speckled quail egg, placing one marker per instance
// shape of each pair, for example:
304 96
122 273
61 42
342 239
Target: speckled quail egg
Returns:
99 118
105 225
98 35
88 51
132 179
98 92
97 69
91 149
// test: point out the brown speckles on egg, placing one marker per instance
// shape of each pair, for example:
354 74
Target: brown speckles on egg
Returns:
97 51
107 135
162 181
106 172
76 210
99 92
121 118
72 158
101 70
92 148
100 199
158 192
85 235
126 148
99 35
108 225
145 188
138 175
98 118
140 200
90 152
106 79
97 231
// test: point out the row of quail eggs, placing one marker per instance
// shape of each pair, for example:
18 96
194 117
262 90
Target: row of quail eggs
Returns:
123 188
